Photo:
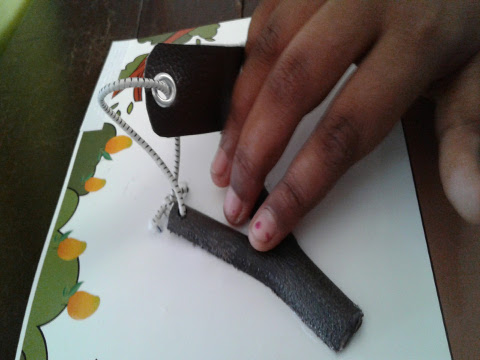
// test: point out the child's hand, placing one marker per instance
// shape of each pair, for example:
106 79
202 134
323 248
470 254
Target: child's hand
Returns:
297 50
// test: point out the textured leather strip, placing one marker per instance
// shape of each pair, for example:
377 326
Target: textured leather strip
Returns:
204 77
286 270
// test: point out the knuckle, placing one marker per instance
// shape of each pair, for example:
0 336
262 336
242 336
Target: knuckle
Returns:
230 136
430 24
245 171
236 114
250 45
236 118
425 27
266 46
339 141
293 197
228 141
291 74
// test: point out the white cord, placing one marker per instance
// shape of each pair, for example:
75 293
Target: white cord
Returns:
123 84
176 168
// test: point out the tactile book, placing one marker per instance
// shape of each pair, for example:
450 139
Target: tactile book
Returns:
110 285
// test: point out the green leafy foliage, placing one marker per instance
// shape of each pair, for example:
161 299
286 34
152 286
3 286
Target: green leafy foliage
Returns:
59 278
69 205
130 68
58 239
49 298
106 155
156 39
68 293
88 156
207 32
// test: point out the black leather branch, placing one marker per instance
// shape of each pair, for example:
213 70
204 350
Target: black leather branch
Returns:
286 270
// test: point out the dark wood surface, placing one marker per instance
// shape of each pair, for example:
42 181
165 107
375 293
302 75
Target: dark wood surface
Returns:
47 75
162 16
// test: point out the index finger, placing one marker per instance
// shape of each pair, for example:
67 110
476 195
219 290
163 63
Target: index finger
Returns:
269 34
303 75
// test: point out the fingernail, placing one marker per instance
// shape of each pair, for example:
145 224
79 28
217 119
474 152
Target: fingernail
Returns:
219 164
263 228
232 207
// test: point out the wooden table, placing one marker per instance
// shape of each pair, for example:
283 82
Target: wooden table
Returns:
47 75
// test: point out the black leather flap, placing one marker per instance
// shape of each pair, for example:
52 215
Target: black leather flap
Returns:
204 77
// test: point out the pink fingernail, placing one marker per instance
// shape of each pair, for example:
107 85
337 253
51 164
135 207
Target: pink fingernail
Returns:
232 207
219 164
264 227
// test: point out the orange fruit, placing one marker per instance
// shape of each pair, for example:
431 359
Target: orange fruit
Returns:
94 184
70 249
82 304
118 143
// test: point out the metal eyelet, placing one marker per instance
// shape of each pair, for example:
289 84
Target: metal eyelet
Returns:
164 95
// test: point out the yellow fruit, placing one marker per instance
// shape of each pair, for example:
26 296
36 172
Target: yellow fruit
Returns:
118 143
70 249
94 184
82 304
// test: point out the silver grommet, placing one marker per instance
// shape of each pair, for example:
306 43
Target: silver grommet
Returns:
165 94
